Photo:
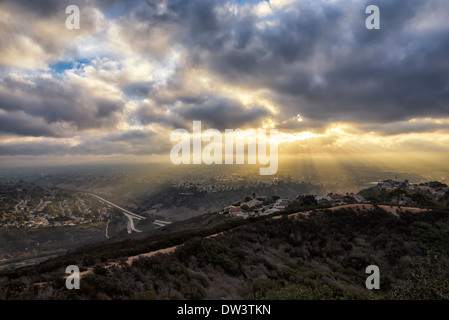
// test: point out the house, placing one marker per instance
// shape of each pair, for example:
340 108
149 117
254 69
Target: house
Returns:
252 203
337 199
240 214
280 205
269 211
321 198
426 188
358 198
282 202
235 210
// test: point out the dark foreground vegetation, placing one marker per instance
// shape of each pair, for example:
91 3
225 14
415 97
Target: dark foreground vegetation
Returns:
320 256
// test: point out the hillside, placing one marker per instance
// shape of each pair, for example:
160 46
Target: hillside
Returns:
319 255
176 204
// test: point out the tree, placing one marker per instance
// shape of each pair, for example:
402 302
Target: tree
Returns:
324 203
372 199
350 200
302 202
421 199
397 193
445 198
307 201
426 279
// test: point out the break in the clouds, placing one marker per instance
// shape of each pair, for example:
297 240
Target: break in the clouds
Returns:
138 69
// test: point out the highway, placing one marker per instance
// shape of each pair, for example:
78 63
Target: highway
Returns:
131 223
161 223
130 215
118 207
127 213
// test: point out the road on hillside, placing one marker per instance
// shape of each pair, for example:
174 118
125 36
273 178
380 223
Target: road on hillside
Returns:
130 215
118 207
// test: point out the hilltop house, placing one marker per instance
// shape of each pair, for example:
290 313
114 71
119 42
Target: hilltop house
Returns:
269 211
252 203
358 198
337 199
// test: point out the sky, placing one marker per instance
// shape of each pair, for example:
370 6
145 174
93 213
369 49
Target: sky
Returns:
137 70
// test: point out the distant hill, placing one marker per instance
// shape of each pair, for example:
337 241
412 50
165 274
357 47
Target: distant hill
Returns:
178 204
377 193
424 194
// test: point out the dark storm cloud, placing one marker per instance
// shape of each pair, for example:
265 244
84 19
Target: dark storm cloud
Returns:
23 125
222 113
56 101
215 112
33 149
130 136
45 7
137 89
147 114
406 127
385 75
320 60
134 142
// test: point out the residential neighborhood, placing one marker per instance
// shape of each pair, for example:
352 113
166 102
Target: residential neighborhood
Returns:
390 192
29 206
224 182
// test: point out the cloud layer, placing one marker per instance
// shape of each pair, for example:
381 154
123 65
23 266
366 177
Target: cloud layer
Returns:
138 69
